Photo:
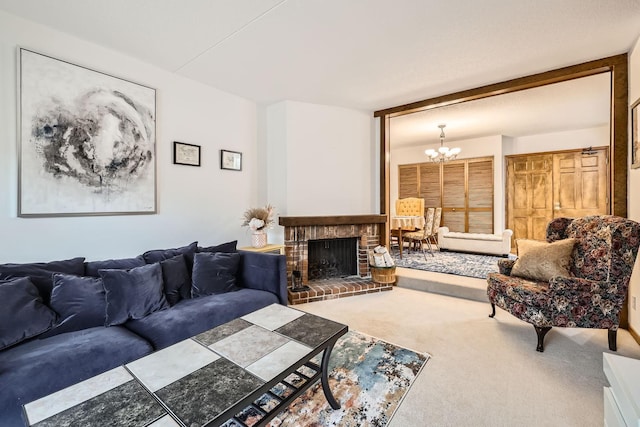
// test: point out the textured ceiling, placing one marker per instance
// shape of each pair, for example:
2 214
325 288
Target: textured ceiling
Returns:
363 54
571 105
372 54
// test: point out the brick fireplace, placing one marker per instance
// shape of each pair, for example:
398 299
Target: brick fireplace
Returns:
300 230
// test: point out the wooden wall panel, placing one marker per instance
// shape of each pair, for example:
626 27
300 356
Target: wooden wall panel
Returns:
463 188
454 220
481 222
408 181
453 183
480 184
430 185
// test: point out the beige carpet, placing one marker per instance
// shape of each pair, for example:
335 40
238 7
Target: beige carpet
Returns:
483 372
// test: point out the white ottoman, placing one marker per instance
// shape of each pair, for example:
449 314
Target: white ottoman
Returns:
494 244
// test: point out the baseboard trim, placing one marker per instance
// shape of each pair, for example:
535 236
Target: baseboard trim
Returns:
634 334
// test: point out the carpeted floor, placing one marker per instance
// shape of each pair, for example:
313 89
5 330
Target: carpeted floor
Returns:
368 376
461 264
484 371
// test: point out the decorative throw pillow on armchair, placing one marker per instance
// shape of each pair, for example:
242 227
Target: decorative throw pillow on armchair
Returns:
541 260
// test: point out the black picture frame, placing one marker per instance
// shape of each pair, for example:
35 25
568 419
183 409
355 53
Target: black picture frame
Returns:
186 154
230 160
635 135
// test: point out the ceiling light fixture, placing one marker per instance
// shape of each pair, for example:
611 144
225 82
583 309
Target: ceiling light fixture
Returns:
444 154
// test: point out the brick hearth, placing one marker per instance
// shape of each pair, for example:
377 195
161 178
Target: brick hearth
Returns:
321 290
297 233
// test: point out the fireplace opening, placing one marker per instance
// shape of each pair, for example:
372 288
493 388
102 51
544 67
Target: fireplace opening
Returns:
333 258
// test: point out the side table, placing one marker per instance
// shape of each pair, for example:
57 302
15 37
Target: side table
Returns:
270 249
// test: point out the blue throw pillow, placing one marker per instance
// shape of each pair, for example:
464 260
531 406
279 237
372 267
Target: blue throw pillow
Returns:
41 273
79 301
229 247
176 278
158 255
23 315
214 273
92 267
133 294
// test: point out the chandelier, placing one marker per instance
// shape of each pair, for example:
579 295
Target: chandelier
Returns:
443 154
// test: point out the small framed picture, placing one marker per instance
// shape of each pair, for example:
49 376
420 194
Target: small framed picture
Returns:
186 154
231 160
635 134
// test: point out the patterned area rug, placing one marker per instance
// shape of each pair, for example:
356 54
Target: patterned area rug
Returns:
369 378
461 264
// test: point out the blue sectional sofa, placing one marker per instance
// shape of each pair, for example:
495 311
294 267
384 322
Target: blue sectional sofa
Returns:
65 321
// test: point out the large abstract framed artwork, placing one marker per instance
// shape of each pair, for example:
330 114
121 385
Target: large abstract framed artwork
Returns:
86 141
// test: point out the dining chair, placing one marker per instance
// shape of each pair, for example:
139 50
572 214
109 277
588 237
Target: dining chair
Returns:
437 219
408 206
422 236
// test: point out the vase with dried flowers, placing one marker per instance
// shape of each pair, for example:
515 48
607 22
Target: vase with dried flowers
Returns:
258 220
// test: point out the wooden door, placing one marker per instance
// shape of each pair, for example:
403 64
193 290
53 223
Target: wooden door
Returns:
454 196
580 183
480 196
430 185
529 195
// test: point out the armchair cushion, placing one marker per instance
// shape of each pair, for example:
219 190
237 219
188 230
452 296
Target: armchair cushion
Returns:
541 261
518 289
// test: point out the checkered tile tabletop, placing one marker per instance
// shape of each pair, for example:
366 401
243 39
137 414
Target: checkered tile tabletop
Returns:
205 380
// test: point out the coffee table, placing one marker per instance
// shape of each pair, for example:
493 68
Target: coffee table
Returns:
249 369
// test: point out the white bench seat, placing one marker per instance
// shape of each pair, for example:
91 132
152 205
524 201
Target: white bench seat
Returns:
493 244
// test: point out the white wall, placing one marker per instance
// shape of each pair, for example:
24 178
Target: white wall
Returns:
566 140
633 193
194 203
321 160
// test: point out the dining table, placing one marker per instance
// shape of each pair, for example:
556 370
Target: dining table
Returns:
402 223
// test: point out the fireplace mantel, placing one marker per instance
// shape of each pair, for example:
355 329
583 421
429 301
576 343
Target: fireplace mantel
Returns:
302 221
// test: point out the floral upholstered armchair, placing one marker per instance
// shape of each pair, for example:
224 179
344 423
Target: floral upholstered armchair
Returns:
591 292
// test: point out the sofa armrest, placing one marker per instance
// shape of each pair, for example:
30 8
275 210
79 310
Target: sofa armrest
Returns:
505 266
265 272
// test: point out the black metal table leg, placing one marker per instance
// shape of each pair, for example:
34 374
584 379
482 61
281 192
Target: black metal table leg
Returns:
324 379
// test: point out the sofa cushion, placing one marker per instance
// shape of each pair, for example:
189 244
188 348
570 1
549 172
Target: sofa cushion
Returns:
42 366
92 267
176 278
79 301
541 260
23 315
228 247
214 273
157 255
192 316
132 294
41 273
